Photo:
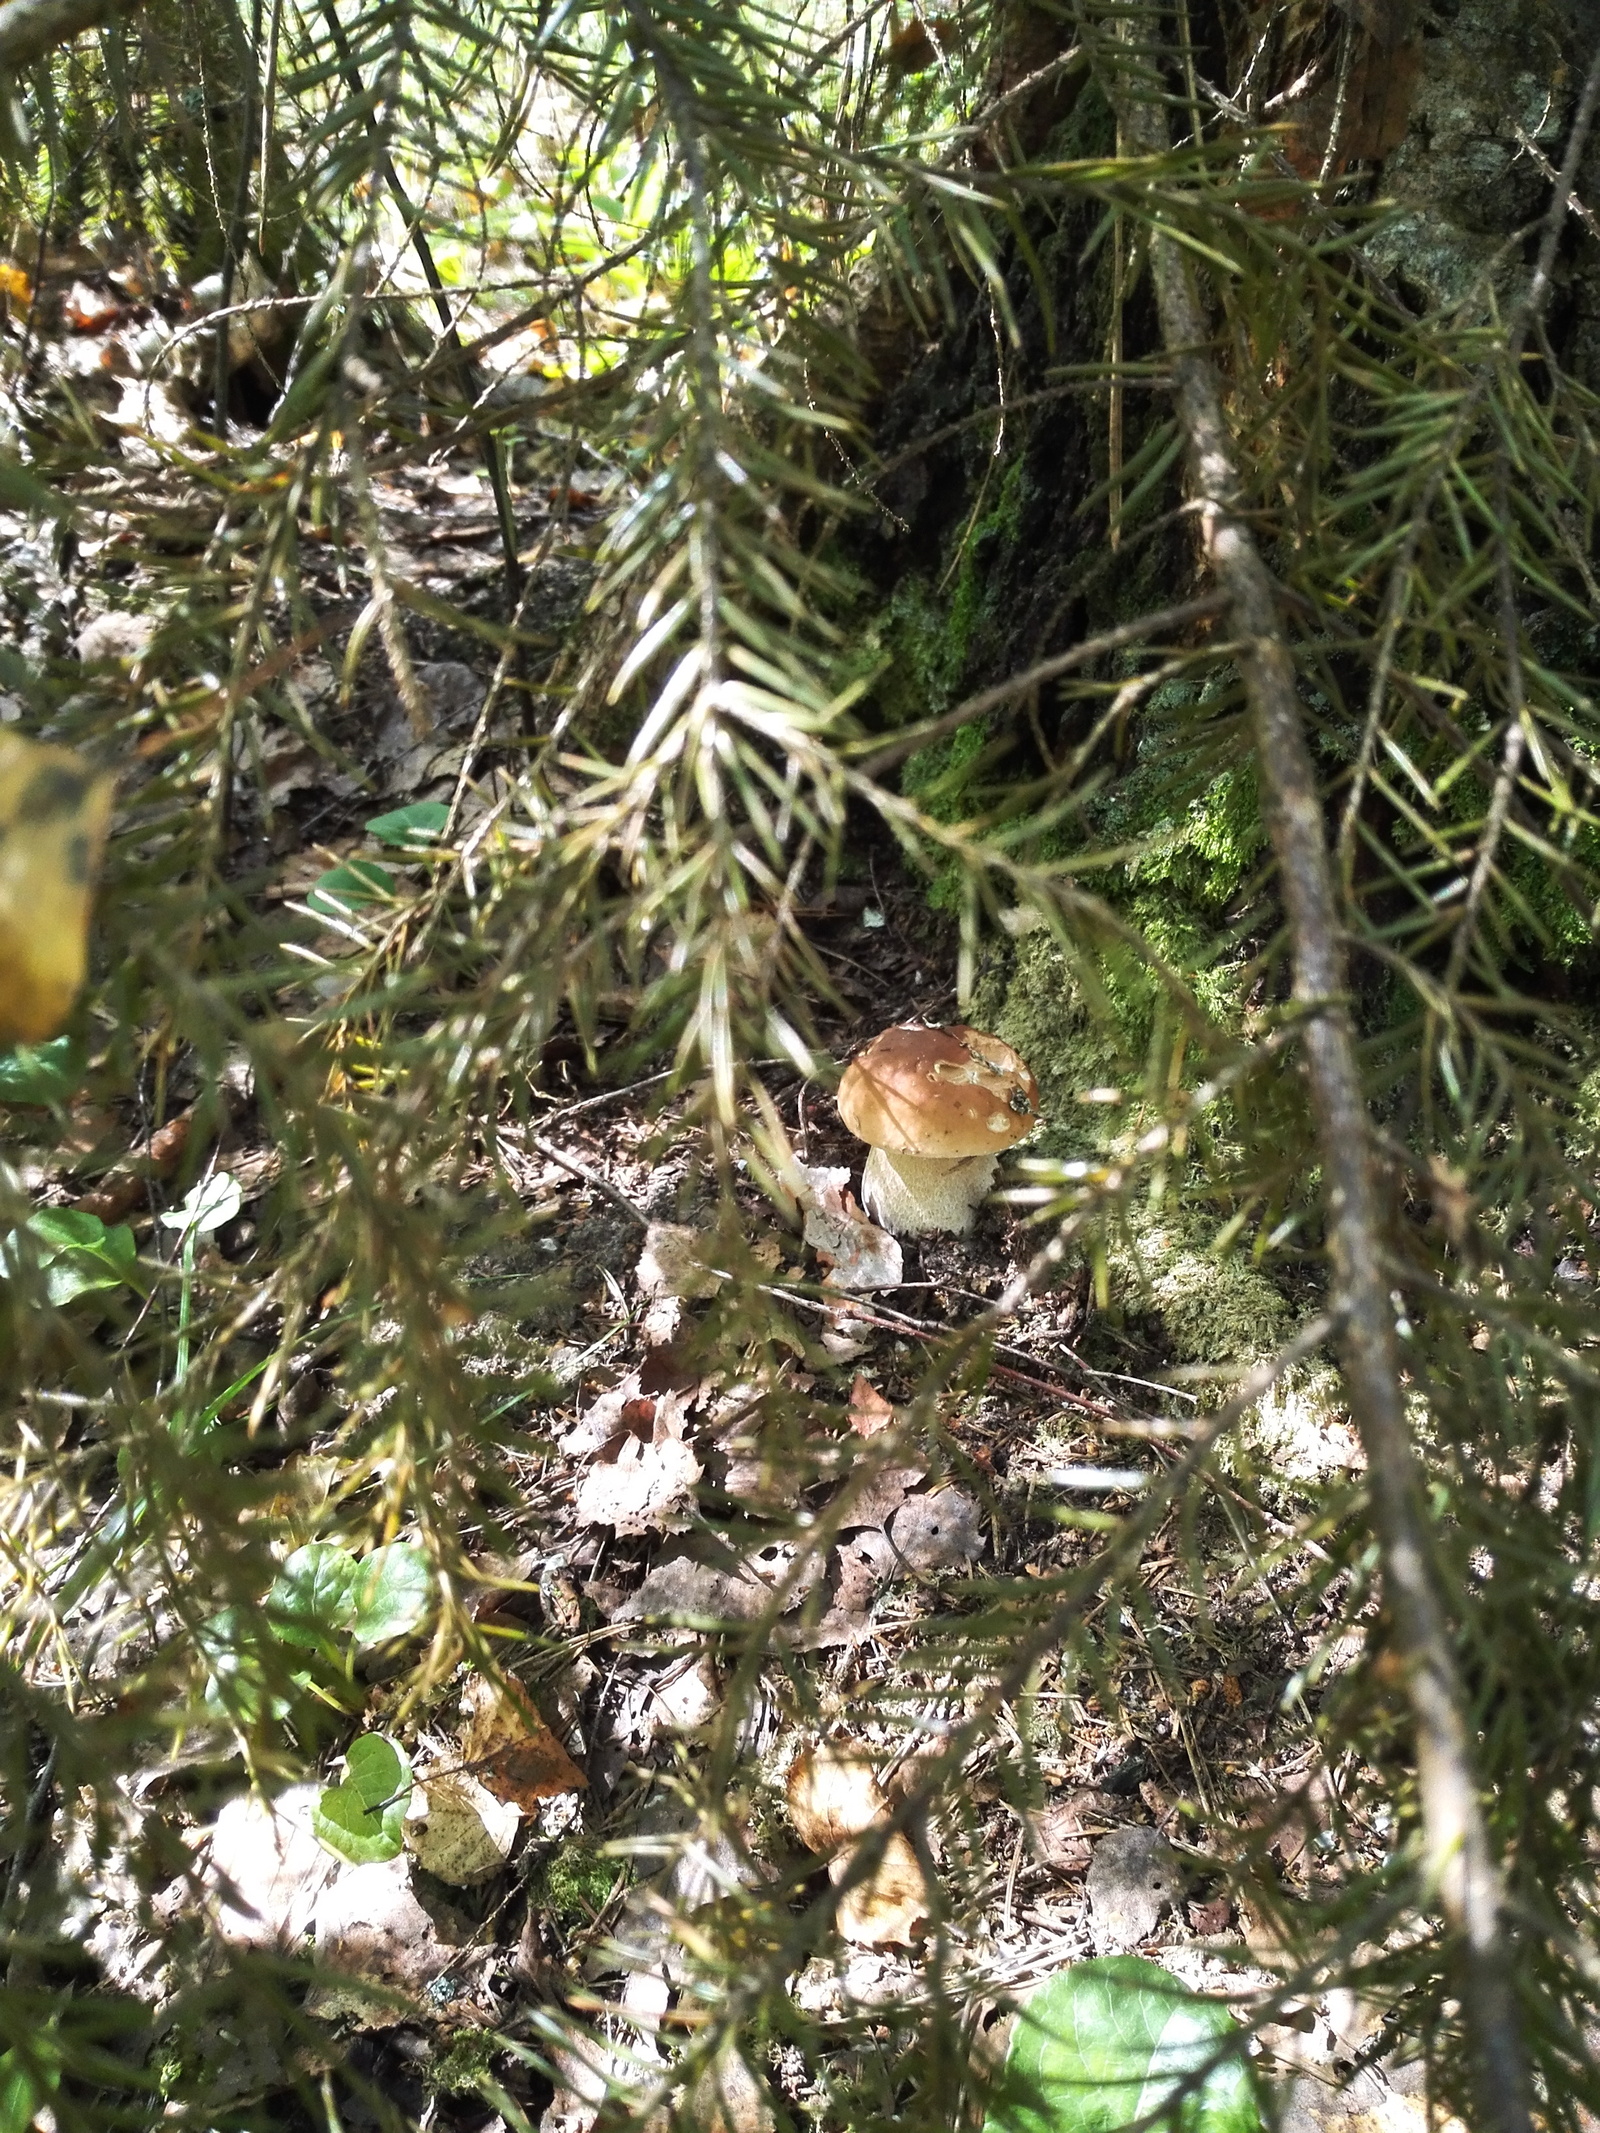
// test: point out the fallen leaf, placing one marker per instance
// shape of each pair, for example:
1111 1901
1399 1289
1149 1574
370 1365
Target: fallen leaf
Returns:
671 1265
939 1531
264 1870
728 2098
834 1800
856 1569
860 1256
510 1749
1058 1834
687 1696
1135 1878
877 1500
645 1488
85 310
740 1593
54 811
631 1409
870 1412
371 1926
458 1830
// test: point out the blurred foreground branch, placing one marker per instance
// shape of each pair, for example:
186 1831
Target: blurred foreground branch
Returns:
1461 1873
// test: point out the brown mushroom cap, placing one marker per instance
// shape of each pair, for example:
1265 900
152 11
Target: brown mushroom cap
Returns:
945 1093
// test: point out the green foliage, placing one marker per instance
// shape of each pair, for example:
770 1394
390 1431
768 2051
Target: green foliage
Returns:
719 215
343 889
361 1818
41 1073
1119 2042
323 1593
74 1251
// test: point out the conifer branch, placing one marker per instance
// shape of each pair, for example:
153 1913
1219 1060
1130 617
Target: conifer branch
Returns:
1461 1874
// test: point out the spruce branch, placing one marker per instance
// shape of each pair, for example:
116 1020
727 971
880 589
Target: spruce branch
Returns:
1461 1873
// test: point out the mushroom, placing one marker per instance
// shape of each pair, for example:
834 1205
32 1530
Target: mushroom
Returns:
938 1107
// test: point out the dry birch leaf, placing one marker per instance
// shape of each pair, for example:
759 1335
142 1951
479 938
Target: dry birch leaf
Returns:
834 1800
510 1749
458 1830
646 1488
54 809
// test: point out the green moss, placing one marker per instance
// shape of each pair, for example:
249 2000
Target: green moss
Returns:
1204 1308
467 2065
1212 1309
572 1886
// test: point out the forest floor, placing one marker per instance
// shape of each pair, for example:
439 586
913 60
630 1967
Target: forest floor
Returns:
656 1474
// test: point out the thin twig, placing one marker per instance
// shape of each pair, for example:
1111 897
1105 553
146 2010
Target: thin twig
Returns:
589 1177
1005 692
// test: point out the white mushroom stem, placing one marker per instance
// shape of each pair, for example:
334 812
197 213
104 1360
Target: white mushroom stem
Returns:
910 1194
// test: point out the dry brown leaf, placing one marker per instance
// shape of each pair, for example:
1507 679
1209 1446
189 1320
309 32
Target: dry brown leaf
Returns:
870 1412
876 1501
834 1800
371 1926
741 1593
265 1870
510 1749
458 1830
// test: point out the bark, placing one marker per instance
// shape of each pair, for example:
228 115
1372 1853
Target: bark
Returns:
30 28
1461 1873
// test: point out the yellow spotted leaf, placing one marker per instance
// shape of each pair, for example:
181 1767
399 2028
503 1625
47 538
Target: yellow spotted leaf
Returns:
54 809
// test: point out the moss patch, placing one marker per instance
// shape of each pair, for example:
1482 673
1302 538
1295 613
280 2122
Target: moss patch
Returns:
572 1886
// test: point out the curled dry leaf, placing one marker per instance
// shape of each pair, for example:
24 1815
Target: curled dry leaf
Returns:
834 1800
860 1255
870 1412
458 1830
509 1748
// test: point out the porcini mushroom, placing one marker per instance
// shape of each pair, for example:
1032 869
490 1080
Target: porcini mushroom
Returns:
938 1107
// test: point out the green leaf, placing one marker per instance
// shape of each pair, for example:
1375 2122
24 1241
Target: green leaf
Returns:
361 1819
1105 2044
419 823
323 1591
344 889
75 1251
26 2088
40 1073
22 491
392 1594
310 1599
